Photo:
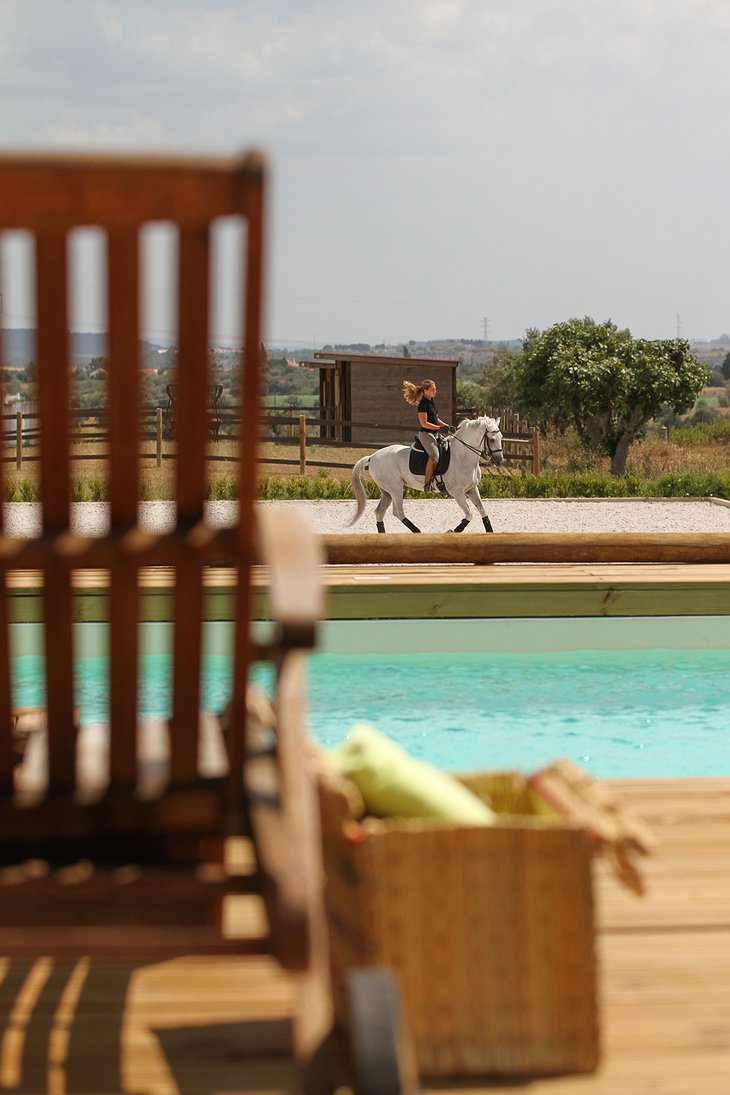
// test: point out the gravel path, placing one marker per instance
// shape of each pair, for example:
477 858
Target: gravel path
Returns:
532 515
432 515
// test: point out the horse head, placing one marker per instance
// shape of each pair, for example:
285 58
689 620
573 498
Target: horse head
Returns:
483 433
492 443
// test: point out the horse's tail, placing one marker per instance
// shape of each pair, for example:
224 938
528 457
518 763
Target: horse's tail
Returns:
358 489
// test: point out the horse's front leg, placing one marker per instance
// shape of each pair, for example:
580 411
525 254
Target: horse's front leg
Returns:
460 497
475 497
400 513
381 508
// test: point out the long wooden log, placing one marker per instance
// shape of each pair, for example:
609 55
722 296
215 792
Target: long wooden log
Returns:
216 547
529 547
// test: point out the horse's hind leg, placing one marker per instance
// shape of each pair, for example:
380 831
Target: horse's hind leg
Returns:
381 510
474 495
400 514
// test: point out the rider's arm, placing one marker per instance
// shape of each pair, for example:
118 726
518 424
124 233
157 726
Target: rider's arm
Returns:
425 424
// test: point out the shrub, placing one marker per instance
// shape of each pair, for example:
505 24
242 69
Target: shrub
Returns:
97 489
223 489
690 485
28 491
701 433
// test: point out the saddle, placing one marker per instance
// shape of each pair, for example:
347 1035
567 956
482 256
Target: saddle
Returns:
417 457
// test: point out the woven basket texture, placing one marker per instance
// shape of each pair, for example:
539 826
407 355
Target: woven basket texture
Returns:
490 929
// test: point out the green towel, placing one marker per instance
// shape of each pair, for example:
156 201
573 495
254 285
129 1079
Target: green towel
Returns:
394 784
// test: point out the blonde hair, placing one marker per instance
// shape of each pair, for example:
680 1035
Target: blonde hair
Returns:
413 393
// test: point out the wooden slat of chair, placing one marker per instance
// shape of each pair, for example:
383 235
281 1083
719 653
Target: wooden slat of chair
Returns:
192 434
124 409
253 356
53 403
8 745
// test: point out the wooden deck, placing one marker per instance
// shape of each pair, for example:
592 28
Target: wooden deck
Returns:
203 1026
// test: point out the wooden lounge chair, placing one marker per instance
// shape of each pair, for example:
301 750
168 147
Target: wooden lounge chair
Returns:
132 825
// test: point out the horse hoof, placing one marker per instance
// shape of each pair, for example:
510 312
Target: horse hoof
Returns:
461 526
487 524
380 526
410 525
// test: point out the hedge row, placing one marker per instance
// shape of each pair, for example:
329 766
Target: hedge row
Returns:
545 485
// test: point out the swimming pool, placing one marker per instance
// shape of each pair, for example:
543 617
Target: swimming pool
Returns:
623 697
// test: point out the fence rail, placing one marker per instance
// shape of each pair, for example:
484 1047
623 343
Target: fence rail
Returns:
21 430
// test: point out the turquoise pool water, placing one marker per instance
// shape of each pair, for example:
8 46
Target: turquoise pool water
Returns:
658 712
641 710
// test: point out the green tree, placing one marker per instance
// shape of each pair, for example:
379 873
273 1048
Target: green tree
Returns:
725 367
499 377
470 395
604 382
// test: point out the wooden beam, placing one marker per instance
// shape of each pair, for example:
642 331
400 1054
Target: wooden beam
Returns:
529 547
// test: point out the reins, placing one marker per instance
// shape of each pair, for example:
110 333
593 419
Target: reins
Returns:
483 453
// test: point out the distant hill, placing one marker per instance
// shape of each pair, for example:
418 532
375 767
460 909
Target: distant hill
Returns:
19 346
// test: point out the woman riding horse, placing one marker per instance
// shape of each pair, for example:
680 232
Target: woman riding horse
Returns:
473 440
423 399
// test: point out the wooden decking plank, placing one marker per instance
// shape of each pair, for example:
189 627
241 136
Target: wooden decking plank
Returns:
193 1024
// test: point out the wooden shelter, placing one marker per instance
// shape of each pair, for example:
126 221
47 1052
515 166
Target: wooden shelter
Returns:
362 393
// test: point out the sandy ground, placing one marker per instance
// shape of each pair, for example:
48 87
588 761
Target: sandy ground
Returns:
431 515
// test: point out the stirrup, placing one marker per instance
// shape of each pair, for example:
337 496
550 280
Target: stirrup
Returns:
440 486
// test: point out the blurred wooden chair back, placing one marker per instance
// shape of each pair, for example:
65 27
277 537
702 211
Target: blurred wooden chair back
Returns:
131 822
145 792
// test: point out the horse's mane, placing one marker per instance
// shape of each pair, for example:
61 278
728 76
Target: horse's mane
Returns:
468 424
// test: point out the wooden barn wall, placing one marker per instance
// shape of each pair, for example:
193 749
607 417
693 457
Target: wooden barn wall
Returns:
377 396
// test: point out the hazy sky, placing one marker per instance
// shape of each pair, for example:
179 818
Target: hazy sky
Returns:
435 163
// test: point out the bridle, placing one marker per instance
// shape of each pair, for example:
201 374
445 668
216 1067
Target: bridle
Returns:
487 450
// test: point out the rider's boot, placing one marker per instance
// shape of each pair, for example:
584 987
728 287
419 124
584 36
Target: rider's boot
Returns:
428 483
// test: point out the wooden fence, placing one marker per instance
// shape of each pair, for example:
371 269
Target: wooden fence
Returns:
521 442
300 431
21 432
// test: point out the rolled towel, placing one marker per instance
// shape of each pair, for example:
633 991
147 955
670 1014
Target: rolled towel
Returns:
394 784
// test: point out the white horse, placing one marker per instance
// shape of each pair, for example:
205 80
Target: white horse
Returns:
473 439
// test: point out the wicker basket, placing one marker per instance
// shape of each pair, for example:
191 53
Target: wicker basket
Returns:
491 929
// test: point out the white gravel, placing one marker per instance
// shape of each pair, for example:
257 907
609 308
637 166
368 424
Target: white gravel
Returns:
431 515
532 515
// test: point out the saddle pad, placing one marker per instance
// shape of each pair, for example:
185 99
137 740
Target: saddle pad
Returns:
417 458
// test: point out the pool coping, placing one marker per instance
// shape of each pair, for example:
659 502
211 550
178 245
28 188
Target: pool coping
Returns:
495 591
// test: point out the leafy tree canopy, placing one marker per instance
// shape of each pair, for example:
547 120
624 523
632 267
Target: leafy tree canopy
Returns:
498 377
604 382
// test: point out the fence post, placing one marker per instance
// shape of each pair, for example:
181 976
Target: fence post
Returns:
302 444
535 451
158 435
18 439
